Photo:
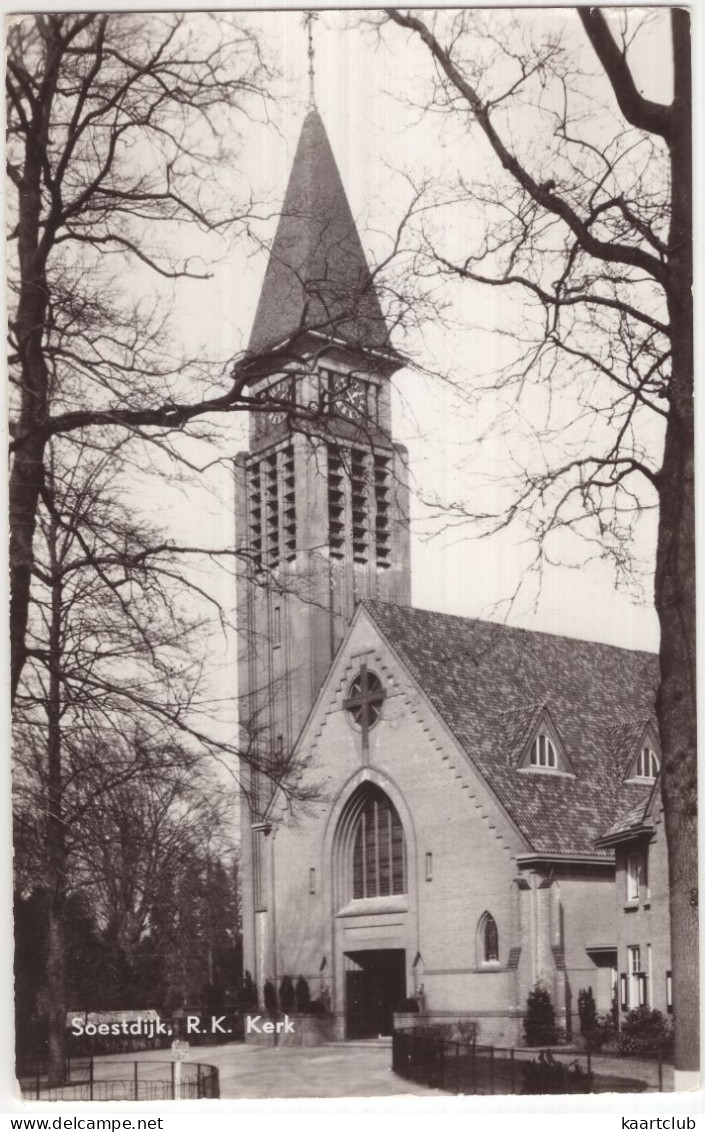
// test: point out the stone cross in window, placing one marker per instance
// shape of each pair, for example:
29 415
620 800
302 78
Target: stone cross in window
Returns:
364 702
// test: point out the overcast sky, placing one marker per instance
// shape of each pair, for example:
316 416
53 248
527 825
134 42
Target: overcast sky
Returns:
365 92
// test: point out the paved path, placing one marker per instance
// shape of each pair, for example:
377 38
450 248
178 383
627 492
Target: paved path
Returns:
325 1071
338 1070
634 1067
360 1069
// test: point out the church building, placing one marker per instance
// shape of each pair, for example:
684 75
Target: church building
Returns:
467 779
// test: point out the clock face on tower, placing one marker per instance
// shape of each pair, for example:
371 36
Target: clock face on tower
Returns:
351 397
352 400
281 395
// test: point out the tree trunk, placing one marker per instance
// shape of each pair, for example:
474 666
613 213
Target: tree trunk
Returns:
676 711
34 238
56 838
27 476
25 485
56 990
675 584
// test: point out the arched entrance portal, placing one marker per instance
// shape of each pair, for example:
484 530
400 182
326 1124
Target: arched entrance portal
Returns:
371 911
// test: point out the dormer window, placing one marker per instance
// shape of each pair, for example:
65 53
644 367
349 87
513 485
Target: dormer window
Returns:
543 753
647 765
644 762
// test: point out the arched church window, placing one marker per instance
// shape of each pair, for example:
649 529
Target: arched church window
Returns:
379 865
488 939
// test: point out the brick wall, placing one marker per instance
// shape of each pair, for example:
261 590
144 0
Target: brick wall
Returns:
447 812
645 922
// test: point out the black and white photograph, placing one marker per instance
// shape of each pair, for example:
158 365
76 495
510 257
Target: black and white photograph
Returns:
352 555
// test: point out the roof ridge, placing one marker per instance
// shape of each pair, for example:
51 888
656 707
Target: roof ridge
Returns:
371 602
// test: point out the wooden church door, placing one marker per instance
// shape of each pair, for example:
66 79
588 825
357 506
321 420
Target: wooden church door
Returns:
373 992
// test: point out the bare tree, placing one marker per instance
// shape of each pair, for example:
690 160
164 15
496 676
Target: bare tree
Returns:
593 223
115 723
137 820
117 127
121 128
134 842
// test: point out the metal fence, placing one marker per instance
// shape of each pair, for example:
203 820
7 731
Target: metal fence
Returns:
88 1079
471 1069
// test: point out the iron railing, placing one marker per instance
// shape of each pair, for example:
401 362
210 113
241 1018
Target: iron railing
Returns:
90 1079
472 1069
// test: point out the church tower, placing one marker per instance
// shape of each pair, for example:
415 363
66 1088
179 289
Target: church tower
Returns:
321 496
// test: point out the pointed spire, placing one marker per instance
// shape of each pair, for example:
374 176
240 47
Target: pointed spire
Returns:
317 279
308 20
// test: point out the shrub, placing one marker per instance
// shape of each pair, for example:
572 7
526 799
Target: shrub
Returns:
645 1031
546 1075
603 1032
249 990
540 1019
287 995
587 1011
303 996
467 1032
606 1027
270 997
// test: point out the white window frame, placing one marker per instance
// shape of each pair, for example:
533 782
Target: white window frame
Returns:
543 753
669 992
644 891
637 978
632 871
647 764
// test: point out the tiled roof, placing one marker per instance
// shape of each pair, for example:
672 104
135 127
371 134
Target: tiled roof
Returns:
490 682
624 740
317 277
519 723
637 815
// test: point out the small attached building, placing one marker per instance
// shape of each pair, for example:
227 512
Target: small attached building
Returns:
642 917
